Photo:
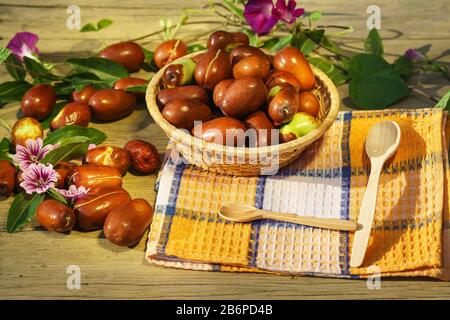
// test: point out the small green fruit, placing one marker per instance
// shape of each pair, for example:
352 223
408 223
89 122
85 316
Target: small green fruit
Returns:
300 125
179 74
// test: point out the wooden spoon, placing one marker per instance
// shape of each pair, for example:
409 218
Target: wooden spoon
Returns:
381 143
246 213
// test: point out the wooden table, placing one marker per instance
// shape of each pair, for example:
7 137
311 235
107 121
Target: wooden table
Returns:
33 262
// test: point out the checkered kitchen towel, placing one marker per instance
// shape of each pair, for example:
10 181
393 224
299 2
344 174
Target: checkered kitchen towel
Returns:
409 237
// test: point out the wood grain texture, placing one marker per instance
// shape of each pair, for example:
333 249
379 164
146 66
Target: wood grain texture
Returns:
33 262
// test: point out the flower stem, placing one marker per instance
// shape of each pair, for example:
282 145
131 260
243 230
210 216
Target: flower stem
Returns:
423 93
187 23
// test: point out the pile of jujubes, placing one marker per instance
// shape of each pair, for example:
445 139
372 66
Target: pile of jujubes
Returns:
107 205
233 87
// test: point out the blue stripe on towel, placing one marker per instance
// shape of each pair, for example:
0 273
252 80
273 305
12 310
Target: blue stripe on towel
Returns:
170 208
345 195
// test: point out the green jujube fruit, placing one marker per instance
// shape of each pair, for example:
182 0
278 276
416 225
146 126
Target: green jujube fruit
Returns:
300 125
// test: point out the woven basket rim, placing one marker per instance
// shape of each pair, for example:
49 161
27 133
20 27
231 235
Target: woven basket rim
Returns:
181 136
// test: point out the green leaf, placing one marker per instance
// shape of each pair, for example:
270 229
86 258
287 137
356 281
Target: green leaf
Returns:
106 70
67 152
104 23
56 109
149 64
269 43
404 66
11 91
330 45
373 43
5 145
80 80
58 136
63 89
88 27
253 37
5 149
194 48
307 42
22 210
15 68
56 195
37 70
374 83
424 49
282 42
338 76
4 54
444 102
137 89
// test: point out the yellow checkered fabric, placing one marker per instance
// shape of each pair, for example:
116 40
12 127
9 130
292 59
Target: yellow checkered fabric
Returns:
409 235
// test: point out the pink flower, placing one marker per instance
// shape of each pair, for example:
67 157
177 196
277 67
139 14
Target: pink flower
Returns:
33 152
38 178
263 15
287 13
23 44
73 194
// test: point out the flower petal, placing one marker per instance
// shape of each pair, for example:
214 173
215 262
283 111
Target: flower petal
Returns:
287 13
258 14
23 44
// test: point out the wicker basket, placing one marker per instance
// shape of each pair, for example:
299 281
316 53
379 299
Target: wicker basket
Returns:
242 161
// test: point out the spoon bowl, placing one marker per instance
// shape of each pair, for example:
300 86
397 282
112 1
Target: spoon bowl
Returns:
239 213
383 139
246 213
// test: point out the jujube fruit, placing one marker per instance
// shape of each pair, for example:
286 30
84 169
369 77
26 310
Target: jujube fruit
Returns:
93 208
243 97
224 130
169 51
55 216
111 104
84 94
108 156
7 177
26 128
309 103
144 156
128 54
38 102
126 224
292 60
73 113
183 113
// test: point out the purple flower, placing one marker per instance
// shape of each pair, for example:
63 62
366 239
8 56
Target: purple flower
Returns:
23 44
32 152
258 14
262 15
38 178
288 13
74 193
414 54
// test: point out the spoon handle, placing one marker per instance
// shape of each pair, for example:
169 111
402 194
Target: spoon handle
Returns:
325 223
366 214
